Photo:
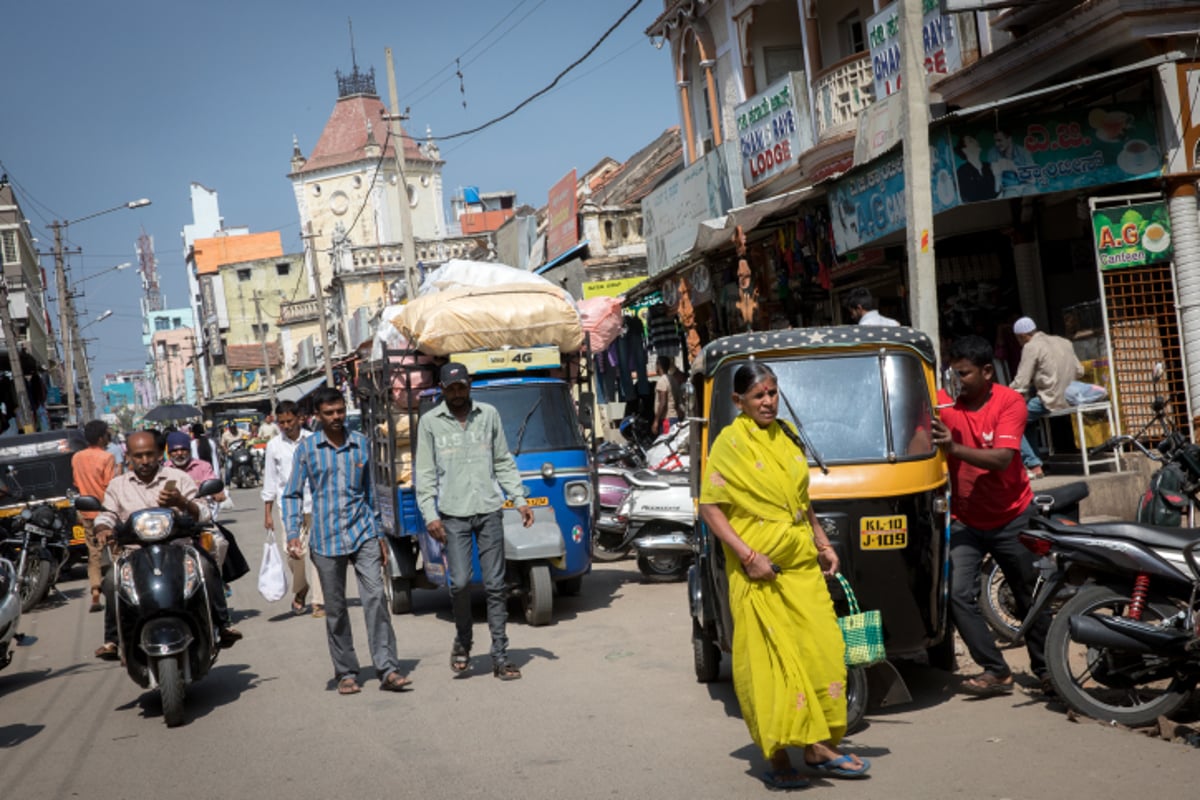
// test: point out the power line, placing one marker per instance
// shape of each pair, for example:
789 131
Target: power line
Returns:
546 88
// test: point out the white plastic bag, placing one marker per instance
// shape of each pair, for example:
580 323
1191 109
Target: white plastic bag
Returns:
272 578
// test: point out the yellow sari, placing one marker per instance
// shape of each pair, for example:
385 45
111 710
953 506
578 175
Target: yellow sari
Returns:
788 654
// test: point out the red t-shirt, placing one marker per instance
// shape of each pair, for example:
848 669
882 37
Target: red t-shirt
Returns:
984 499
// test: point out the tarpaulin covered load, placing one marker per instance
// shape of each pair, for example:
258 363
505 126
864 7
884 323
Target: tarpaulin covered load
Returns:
490 317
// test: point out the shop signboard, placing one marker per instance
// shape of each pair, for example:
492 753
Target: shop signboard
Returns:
672 213
1040 153
1131 235
943 54
869 204
613 288
774 128
879 129
562 230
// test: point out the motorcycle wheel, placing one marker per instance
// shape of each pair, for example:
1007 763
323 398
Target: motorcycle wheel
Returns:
35 582
170 690
856 698
996 602
664 567
706 656
539 596
605 547
1096 680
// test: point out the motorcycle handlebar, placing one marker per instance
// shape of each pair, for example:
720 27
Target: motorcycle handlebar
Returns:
1116 441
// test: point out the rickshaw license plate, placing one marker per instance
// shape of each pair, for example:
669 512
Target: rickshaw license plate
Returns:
883 533
533 501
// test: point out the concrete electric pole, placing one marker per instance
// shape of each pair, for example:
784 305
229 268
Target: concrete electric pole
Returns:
25 420
918 189
64 327
406 228
315 266
263 341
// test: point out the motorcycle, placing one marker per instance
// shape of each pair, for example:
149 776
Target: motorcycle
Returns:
243 467
10 610
168 636
37 542
657 516
996 601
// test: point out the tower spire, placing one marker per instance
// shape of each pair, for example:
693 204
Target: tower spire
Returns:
356 82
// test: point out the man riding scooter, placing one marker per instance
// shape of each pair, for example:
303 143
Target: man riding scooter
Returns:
149 484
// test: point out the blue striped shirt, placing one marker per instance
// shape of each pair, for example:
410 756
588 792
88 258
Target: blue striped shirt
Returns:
339 478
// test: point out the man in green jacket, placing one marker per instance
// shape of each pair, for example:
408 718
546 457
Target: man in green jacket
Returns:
461 456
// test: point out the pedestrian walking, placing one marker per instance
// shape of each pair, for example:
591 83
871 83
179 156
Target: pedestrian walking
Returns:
992 502
461 457
334 465
91 470
277 469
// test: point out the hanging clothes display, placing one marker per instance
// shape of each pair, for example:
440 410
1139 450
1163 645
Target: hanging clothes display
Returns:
664 332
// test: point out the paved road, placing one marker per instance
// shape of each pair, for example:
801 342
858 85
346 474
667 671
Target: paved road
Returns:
608 708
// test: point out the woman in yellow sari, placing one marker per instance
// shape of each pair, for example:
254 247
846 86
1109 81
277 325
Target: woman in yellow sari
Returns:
789 668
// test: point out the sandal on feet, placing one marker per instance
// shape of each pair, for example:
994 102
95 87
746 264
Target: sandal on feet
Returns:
784 779
318 612
988 685
506 672
460 658
298 602
841 767
394 682
107 651
348 685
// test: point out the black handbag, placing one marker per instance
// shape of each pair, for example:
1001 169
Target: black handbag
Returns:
235 565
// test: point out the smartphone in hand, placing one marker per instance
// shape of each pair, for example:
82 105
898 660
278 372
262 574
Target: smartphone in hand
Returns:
171 486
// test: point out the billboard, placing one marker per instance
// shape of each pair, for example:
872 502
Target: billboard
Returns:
774 127
943 54
1131 236
562 213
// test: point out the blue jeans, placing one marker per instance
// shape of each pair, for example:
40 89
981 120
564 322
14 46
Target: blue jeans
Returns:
488 531
1037 410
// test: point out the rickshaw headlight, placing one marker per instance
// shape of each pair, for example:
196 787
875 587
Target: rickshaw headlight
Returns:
548 471
578 493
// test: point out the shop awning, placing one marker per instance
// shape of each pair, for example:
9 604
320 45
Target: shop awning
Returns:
299 391
561 257
716 233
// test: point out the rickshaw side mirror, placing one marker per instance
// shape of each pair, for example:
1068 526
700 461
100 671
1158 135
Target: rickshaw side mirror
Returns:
587 402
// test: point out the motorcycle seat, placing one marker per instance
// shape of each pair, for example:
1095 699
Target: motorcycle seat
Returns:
1152 535
645 477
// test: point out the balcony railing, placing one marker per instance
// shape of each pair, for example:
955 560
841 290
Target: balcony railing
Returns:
842 92
299 311
430 252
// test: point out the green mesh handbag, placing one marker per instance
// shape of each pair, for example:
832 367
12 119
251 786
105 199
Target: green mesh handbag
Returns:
862 631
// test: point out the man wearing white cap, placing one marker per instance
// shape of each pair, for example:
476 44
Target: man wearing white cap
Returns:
1048 366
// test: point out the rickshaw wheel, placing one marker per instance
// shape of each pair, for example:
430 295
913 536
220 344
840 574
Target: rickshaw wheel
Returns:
539 597
856 698
399 592
706 656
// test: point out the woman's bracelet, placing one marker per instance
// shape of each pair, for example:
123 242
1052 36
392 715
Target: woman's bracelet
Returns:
748 560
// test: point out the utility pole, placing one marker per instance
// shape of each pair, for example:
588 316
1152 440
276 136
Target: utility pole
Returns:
263 341
315 266
406 228
25 421
196 369
64 300
918 191
82 368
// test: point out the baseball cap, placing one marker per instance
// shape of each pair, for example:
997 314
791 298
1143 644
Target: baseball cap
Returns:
178 440
1024 325
454 372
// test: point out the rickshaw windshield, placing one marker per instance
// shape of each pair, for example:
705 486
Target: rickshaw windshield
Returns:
854 409
539 416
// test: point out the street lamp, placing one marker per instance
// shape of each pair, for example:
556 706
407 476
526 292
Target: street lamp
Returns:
103 316
117 268
66 313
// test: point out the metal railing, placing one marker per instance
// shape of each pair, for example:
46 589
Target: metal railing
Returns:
841 93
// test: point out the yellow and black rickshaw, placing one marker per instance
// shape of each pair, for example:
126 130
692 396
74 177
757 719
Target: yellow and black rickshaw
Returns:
862 399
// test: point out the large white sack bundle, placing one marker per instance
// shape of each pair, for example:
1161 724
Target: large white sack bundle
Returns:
458 273
489 317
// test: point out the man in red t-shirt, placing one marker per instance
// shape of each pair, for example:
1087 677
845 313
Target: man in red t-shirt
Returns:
991 499
91 470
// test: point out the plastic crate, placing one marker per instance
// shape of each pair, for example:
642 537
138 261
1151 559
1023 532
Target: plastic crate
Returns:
410 516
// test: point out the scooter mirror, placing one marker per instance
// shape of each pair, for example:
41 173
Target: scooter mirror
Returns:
87 503
208 488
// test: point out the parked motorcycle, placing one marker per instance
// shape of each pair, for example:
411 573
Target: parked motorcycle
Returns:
243 467
996 601
168 636
10 610
37 542
658 520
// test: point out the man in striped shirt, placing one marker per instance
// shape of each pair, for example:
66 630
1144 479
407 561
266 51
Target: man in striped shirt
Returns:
334 464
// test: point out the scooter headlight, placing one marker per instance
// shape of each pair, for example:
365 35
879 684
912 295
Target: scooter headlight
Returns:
191 575
125 583
152 524
578 493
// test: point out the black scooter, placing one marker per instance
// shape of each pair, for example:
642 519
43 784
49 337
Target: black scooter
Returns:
243 470
168 636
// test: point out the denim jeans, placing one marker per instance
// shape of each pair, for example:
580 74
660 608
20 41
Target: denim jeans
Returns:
488 531
1037 409
968 546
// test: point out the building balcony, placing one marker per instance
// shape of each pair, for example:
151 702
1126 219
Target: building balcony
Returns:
389 258
299 311
842 92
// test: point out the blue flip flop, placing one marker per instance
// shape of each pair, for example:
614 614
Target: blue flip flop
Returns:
785 779
841 767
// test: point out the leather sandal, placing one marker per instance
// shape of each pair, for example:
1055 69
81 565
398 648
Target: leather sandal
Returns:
348 685
506 672
395 682
460 658
107 651
988 685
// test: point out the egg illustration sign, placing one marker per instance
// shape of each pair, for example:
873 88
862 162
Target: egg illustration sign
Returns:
1132 236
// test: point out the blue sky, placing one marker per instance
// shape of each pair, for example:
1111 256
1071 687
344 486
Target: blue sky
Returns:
110 102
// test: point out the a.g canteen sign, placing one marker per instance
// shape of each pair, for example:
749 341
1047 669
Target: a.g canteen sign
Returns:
1132 236
943 54
774 128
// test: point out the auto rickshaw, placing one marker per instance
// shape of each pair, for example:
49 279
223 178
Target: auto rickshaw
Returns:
862 399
